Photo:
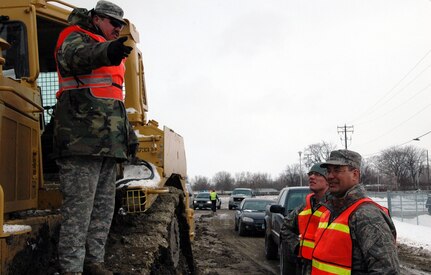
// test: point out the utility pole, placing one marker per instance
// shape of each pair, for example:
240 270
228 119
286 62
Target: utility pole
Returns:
344 130
428 172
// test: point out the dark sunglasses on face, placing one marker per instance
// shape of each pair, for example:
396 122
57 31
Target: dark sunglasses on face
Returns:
113 22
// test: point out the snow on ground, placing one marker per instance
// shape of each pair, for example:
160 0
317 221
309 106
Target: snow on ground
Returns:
415 231
409 233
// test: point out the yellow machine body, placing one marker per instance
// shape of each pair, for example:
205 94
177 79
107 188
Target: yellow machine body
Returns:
28 33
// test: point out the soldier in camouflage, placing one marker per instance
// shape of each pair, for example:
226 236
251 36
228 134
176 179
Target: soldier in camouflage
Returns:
295 261
363 234
91 133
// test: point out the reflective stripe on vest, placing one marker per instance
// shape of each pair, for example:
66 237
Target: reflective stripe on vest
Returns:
307 223
333 250
103 82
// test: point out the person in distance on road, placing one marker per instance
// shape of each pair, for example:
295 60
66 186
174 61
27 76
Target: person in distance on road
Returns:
300 225
213 198
91 132
355 235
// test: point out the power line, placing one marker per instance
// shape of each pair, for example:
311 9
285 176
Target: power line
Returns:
399 105
391 130
399 145
371 109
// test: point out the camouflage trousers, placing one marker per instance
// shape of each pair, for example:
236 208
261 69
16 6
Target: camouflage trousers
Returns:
88 187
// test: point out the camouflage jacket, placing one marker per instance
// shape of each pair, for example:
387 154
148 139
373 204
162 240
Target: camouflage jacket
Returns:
84 124
290 235
372 232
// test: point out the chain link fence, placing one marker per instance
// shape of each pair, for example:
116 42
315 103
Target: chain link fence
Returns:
404 205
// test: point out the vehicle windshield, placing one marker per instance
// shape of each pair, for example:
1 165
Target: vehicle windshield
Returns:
256 205
241 192
203 195
296 198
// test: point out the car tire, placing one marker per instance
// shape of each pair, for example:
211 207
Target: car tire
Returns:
429 210
219 206
270 247
241 228
230 207
194 207
236 225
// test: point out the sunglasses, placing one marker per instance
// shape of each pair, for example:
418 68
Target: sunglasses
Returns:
114 23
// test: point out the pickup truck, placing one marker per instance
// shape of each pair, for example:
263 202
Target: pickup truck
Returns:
288 199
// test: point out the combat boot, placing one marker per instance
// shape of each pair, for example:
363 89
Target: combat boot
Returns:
96 269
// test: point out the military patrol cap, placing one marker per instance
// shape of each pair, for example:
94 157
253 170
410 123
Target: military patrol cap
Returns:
316 168
109 9
343 157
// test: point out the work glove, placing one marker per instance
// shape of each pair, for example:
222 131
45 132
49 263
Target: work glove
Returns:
117 50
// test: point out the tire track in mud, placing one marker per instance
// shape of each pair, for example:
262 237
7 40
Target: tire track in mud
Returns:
228 252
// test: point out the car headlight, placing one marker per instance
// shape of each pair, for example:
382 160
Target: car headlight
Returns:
247 219
208 201
194 201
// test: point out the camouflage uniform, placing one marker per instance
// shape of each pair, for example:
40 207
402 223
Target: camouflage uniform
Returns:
372 231
90 136
290 235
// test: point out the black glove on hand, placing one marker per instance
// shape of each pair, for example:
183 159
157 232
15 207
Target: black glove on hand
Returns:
117 50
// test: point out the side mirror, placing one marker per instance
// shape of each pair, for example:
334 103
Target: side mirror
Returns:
276 208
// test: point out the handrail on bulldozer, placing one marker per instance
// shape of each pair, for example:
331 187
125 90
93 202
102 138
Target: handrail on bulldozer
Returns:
62 3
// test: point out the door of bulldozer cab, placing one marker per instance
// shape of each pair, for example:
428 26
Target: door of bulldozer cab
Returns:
27 92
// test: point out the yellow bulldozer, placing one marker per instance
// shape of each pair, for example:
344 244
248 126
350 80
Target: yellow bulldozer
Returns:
153 225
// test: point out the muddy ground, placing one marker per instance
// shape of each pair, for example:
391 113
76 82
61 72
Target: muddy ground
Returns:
143 244
219 250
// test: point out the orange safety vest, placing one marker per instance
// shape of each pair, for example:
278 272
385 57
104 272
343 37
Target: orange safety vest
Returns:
333 251
307 223
103 82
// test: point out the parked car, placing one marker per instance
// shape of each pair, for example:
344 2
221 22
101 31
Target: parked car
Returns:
250 215
202 201
238 194
191 195
288 199
428 204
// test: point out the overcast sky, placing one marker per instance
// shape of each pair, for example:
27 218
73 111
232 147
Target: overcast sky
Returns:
249 83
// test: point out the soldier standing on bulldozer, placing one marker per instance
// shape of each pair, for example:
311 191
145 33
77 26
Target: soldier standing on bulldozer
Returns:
91 132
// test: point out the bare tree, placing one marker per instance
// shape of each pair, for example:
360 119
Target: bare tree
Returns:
414 159
403 164
289 177
260 180
317 152
243 179
200 183
369 172
223 181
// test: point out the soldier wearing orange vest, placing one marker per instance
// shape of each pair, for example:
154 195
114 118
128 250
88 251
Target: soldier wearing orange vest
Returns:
300 225
91 132
355 235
